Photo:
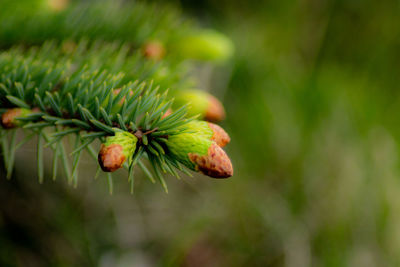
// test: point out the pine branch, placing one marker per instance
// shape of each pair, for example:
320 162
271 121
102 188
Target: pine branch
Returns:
96 80
133 23
155 28
55 99
155 32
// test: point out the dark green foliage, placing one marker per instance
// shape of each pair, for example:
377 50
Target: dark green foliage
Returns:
75 94
91 80
132 23
83 76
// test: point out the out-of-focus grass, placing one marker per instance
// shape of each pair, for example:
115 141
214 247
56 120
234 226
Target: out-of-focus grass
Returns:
313 110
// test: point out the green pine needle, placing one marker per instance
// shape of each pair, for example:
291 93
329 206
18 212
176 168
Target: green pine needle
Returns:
92 81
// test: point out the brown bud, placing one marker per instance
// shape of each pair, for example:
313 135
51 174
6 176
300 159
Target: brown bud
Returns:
167 113
58 5
215 164
111 157
220 136
8 118
215 111
116 93
153 50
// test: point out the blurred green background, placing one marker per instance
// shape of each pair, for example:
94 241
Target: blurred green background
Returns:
312 98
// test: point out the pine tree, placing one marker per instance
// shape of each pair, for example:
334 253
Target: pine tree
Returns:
121 73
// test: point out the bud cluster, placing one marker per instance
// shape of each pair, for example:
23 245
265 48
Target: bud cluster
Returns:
200 149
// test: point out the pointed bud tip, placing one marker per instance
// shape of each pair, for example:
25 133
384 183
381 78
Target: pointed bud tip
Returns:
219 135
215 111
167 113
153 50
58 5
111 157
215 164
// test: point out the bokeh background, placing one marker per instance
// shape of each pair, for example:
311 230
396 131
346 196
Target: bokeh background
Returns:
313 103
